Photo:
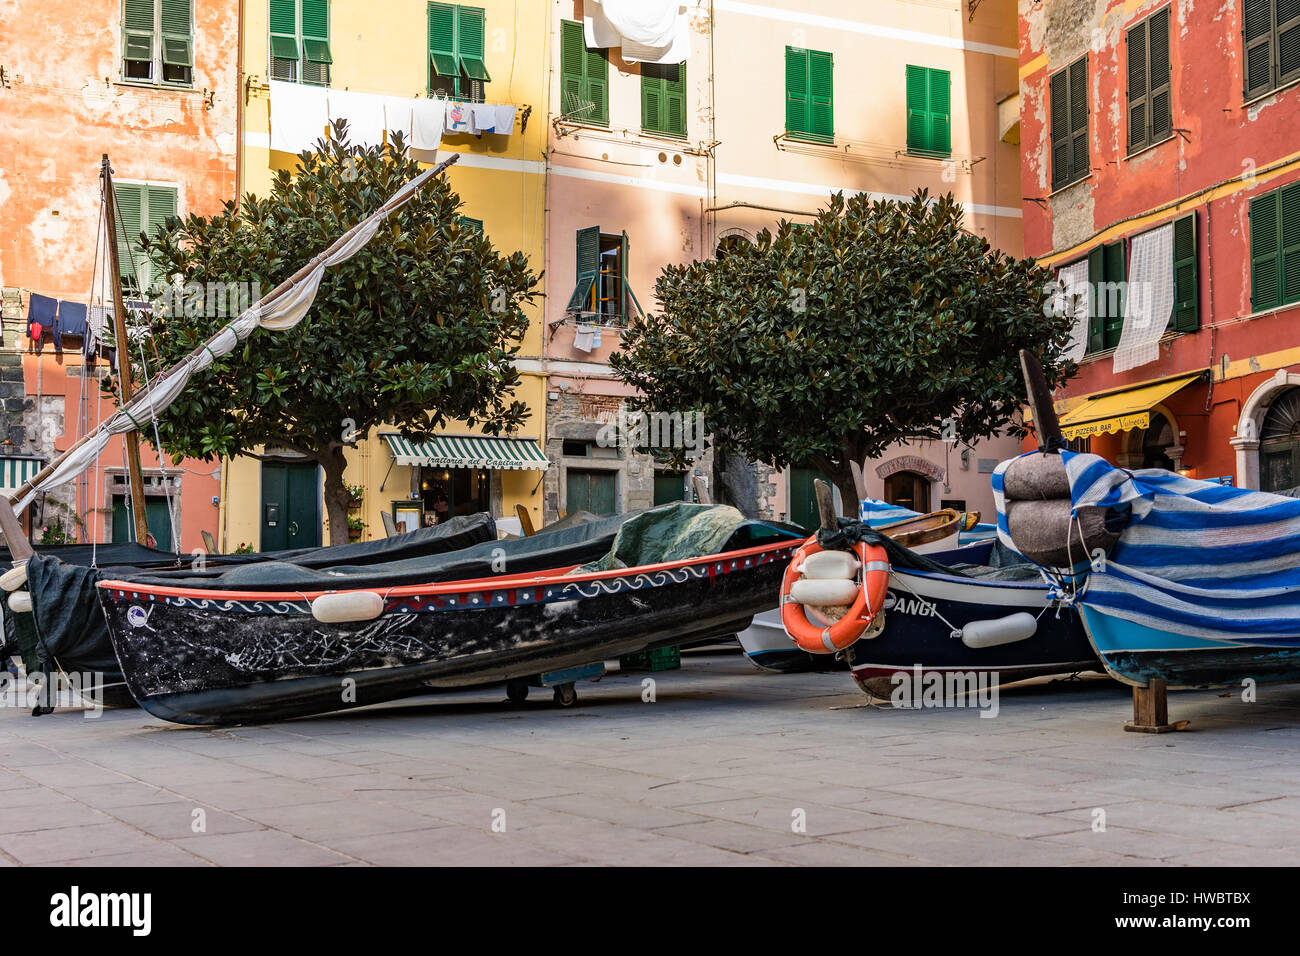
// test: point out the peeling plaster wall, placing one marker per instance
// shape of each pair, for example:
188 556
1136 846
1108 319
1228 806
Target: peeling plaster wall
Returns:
1215 166
64 106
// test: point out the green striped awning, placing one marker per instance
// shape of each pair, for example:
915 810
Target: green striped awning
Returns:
469 451
15 471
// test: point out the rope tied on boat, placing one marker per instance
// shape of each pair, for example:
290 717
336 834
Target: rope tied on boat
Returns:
852 532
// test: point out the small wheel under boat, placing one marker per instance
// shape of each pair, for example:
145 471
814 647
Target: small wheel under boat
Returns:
566 695
517 691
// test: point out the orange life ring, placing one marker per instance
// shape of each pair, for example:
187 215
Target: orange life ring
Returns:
816 639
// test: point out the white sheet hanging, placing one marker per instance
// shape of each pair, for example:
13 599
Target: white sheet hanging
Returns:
1148 299
600 33
298 116
426 124
648 22
1074 300
364 113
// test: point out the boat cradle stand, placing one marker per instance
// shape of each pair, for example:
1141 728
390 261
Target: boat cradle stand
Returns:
566 695
1151 710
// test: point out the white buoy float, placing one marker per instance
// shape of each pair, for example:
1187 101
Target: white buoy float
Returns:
20 602
344 607
1001 630
15 577
824 592
830 565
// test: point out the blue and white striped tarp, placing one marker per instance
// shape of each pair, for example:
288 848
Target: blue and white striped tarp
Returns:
1198 558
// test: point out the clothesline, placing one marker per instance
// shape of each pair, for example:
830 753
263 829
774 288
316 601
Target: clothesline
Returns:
300 115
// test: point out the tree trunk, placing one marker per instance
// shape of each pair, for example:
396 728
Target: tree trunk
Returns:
840 473
336 493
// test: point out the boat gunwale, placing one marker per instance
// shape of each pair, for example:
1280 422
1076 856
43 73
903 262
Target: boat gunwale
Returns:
469 585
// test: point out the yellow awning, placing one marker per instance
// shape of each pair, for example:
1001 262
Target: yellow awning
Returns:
1122 409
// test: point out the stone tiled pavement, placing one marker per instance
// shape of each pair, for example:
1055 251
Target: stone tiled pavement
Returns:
712 772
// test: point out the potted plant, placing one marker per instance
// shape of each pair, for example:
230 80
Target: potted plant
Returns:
355 528
355 494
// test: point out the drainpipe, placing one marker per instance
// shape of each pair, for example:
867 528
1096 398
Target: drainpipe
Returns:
239 106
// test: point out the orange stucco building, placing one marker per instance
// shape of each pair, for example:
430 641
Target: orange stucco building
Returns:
152 84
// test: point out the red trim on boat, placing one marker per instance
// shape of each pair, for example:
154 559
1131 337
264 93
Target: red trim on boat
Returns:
557 576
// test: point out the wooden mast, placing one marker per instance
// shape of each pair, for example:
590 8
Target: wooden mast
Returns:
136 484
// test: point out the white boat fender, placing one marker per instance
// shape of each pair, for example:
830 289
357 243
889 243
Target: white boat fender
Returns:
15 577
830 565
20 602
343 607
1001 630
821 592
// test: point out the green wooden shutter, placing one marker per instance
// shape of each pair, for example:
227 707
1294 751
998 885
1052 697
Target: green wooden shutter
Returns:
284 39
1186 314
1289 216
1060 95
130 203
472 226
652 100
595 72
137 30
918 109
630 304
160 205
821 103
663 98
796 91
1079 164
471 39
572 50
1264 273
1096 307
1160 111
675 100
940 82
177 33
588 259
1116 272
442 40
1257 36
316 55
1288 41
1138 128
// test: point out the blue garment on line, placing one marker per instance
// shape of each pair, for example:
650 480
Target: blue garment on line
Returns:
71 321
42 309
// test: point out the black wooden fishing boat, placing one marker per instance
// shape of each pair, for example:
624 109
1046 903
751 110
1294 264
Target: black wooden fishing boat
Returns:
250 644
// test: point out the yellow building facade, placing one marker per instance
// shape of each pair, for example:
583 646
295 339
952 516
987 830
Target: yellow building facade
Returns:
369 61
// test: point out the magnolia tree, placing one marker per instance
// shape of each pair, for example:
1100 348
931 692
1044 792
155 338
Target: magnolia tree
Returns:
418 328
877 323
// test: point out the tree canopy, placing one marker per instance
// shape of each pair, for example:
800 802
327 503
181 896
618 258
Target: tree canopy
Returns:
419 328
877 323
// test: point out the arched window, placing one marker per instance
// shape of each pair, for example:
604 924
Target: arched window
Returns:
1279 444
907 489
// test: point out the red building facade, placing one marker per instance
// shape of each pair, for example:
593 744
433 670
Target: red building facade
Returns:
1160 146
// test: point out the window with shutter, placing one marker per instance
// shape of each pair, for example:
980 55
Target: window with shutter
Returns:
809 95
300 41
130 205
1096 307
1270 31
663 98
457 51
158 41
929 111
472 226
630 305
584 78
1068 89
316 56
1150 103
1275 248
1186 314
